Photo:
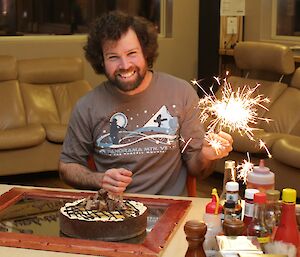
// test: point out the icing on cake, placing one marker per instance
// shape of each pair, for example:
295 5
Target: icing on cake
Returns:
76 210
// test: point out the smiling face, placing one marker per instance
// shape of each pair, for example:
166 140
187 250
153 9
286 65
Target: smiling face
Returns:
124 62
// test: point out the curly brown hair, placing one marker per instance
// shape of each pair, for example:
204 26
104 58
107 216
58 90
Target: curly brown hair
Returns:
111 26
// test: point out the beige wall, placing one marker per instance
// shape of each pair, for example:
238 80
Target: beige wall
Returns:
178 54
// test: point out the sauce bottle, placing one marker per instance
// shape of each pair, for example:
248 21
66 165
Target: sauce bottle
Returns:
287 230
261 178
229 175
249 205
232 193
257 226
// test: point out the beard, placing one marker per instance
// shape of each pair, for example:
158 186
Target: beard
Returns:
118 80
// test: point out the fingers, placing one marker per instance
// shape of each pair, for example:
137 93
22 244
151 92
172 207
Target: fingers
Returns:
226 137
217 145
116 180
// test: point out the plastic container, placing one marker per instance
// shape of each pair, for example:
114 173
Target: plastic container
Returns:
261 178
212 219
287 230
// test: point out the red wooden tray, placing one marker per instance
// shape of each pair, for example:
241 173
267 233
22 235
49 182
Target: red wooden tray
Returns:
152 245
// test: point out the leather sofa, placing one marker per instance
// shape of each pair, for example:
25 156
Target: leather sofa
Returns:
37 97
272 66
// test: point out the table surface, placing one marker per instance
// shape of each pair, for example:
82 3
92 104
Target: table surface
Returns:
176 245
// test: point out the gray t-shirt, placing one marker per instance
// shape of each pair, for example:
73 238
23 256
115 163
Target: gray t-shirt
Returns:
144 133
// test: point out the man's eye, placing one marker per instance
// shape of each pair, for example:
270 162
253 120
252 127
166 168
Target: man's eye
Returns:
132 53
113 57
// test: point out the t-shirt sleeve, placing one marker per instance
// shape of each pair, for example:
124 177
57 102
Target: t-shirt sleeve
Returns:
78 143
191 130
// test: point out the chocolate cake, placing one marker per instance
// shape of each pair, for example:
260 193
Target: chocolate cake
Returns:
103 217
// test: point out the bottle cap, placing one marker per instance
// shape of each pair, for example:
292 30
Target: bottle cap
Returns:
229 204
229 164
261 168
249 193
273 195
232 186
260 197
289 195
261 175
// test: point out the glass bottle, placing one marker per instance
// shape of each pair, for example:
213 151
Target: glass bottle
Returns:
232 193
249 205
273 209
229 209
229 175
257 226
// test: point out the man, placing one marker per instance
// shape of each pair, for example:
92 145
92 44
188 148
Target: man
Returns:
137 123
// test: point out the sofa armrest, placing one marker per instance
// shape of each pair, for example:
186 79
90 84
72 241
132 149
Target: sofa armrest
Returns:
244 144
16 138
287 151
55 132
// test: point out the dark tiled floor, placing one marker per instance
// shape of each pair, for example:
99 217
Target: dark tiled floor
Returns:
51 179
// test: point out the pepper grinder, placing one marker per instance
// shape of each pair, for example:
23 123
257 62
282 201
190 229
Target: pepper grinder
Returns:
195 235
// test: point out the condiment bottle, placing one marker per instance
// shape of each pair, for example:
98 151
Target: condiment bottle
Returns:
287 230
229 175
229 209
261 178
212 219
273 210
249 205
232 193
257 226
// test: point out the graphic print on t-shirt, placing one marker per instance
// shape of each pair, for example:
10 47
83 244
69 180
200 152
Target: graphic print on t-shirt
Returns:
158 135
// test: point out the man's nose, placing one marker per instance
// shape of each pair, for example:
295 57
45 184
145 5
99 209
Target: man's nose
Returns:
124 63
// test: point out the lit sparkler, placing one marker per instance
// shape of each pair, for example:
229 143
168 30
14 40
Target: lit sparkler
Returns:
236 110
214 143
244 169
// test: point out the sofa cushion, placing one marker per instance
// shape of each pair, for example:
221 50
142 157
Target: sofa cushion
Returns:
295 82
50 70
287 151
39 104
8 68
22 137
285 113
12 113
55 132
66 95
264 56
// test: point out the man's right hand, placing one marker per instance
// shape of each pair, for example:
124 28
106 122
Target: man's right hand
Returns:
116 180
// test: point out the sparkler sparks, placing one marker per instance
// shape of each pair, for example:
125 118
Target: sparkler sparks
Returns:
236 110
186 144
244 169
262 144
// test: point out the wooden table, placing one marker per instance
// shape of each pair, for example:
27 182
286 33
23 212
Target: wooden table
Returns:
176 245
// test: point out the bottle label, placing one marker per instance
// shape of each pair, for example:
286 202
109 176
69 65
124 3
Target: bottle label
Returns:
232 196
263 240
249 209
